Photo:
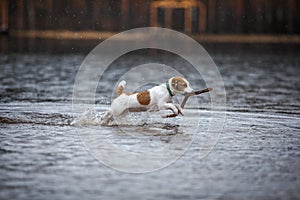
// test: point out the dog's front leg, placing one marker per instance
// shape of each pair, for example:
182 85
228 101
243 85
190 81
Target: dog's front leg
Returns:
179 108
169 106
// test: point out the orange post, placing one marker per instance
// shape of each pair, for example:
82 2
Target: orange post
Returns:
187 5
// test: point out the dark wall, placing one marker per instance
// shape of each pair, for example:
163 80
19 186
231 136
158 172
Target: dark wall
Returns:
223 16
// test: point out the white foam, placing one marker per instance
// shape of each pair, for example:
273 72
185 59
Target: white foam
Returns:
95 118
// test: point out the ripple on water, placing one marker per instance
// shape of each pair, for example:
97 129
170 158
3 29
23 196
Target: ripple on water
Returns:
256 157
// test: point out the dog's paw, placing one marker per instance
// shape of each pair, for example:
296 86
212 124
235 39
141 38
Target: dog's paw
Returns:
106 117
180 111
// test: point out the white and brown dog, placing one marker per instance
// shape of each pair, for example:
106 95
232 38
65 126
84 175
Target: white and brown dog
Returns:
154 99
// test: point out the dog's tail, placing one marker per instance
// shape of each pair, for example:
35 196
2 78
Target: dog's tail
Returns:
121 87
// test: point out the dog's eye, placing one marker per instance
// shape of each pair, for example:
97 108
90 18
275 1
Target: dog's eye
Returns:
185 85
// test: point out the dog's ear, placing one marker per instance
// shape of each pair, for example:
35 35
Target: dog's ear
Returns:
174 82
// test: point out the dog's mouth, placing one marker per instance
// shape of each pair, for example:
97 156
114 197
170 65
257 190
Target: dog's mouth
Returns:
187 93
188 90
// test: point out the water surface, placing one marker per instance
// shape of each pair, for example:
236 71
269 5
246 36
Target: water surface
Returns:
257 155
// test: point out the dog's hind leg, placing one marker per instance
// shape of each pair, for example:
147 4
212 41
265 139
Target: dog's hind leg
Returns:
119 105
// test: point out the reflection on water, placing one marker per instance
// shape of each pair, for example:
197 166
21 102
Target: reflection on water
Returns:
257 156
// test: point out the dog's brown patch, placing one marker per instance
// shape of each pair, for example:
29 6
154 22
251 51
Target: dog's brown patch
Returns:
143 98
178 83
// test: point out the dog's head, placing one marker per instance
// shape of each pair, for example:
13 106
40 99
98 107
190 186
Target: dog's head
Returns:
180 85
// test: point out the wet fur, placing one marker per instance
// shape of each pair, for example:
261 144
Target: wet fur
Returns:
154 99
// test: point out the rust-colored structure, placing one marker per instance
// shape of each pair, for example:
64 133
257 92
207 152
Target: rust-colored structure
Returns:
194 16
3 15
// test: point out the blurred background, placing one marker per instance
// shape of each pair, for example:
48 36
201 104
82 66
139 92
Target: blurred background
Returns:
29 25
196 16
254 43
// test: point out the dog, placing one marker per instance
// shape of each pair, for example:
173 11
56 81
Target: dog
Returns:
155 99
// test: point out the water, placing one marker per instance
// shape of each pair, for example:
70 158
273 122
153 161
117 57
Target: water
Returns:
257 155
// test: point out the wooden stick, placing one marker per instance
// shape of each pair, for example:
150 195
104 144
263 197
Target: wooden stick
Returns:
186 97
